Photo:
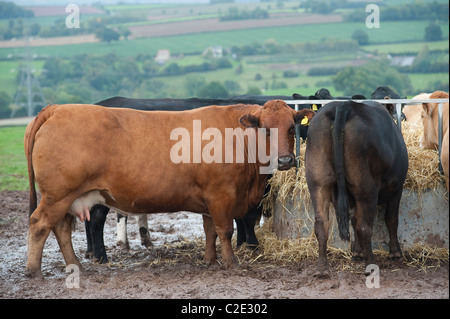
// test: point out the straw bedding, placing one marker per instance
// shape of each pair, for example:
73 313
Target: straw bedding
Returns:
423 174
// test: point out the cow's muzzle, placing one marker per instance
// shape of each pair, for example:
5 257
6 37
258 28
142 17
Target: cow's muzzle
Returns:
285 162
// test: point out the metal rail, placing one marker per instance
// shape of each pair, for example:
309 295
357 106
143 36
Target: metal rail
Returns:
398 108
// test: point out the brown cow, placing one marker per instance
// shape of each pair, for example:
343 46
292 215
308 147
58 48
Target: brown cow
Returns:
355 158
134 170
430 130
413 112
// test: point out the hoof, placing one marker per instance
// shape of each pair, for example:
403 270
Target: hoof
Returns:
34 274
322 273
147 243
357 257
101 260
395 256
123 245
209 261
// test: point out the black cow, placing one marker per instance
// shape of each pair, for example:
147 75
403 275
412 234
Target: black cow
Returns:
363 163
324 94
385 92
245 226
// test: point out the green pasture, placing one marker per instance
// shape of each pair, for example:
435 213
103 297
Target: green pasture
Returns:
13 164
9 70
422 81
413 47
389 32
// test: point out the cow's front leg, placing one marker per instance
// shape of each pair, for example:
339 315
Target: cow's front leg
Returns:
211 236
143 231
94 231
122 238
225 231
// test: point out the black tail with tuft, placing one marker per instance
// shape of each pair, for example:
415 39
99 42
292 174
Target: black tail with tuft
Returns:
342 206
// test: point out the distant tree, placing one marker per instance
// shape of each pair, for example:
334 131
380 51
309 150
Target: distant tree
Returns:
107 34
361 37
213 90
365 79
193 83
433 32
125 32
172 69
231 86
34 29
253 90
5 101
9 10
239 69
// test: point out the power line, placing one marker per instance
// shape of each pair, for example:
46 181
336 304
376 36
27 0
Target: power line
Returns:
29 94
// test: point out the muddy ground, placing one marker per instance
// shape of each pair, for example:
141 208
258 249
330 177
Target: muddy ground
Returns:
173 267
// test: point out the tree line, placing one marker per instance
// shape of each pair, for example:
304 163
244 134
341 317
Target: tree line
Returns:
416 11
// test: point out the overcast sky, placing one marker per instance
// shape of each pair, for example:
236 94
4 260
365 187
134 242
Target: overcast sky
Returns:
84 2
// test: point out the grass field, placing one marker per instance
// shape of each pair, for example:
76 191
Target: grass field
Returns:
406 47
13 164
390 32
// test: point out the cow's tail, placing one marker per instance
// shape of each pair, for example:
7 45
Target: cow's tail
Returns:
342 205
43 116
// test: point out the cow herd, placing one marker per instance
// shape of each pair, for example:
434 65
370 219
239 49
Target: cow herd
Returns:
166 155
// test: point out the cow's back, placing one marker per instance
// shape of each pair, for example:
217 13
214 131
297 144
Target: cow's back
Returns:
132 162
372 144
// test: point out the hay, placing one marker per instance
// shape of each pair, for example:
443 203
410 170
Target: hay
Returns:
288 186
292 252
423 172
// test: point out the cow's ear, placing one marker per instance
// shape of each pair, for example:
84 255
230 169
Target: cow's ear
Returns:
389 107
300 116
249 120
427 108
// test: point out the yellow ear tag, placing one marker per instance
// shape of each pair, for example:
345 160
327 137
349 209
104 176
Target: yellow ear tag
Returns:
314 107
305 121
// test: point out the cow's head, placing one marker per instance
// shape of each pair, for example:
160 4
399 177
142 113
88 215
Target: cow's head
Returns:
278 115
430 118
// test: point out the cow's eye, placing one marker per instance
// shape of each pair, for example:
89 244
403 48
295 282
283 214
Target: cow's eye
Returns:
291 130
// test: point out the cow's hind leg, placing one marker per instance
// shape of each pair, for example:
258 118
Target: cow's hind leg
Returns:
357 254
321 199
365 213
241 234
249 224
391 219
63 234
42 221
